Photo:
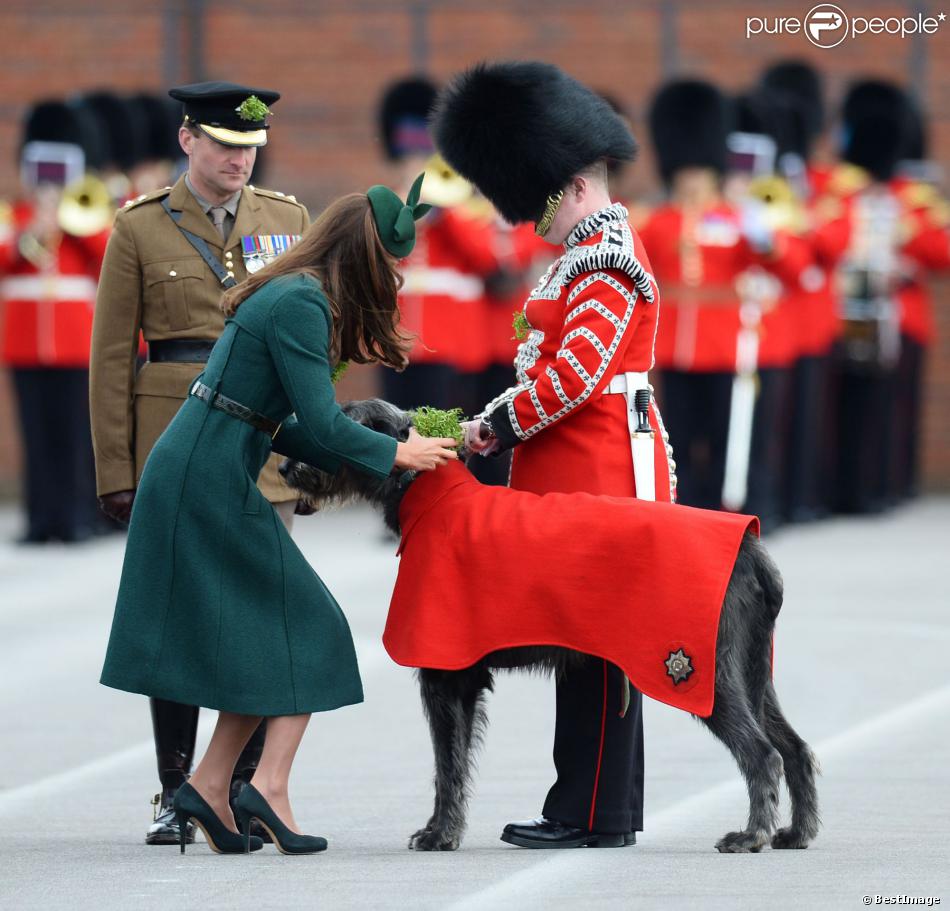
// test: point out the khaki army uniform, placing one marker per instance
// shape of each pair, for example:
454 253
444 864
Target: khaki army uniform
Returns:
154 280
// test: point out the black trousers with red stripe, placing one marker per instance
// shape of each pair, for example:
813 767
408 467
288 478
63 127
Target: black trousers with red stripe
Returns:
598 755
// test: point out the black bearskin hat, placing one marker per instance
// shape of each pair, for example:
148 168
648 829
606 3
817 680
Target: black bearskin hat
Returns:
57 121
404 117
876 125
916 139
521 130
163 118
123 126
689 121
801 83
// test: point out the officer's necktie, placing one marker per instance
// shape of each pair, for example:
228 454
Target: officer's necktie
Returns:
218 215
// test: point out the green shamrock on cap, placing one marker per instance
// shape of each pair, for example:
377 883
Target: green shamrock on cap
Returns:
252 108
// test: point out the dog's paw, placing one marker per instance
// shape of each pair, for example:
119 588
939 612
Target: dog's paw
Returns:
789 838
742 842
433 840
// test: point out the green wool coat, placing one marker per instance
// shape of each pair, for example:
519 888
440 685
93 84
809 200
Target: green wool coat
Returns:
217 607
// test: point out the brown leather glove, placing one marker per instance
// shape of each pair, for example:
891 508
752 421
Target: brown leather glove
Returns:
118 505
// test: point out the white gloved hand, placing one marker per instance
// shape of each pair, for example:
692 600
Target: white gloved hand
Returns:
755 227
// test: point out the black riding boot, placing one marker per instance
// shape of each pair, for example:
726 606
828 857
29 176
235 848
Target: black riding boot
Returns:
175 727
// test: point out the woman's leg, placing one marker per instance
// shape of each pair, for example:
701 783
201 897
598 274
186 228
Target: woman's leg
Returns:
212 778
273 771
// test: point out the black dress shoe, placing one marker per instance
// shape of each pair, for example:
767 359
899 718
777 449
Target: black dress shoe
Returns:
164 828
549 833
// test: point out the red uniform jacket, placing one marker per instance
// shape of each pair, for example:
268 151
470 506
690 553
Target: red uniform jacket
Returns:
928 249
442 301
588 323
698 263
622 579
46 312
924 244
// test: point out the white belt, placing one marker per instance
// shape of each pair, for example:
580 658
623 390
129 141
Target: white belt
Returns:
641 443
628 382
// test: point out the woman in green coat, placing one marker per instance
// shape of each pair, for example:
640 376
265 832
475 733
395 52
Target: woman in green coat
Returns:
217 607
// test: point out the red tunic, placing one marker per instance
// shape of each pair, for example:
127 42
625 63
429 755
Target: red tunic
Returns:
46 310
442 301
698 263
588 323
922 244
626 580
927 249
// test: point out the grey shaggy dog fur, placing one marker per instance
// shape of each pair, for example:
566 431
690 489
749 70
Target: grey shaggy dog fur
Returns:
746 716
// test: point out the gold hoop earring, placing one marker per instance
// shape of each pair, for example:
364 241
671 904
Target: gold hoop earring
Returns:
550 210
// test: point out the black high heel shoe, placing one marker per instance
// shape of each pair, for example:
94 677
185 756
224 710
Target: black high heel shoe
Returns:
251 805
189 804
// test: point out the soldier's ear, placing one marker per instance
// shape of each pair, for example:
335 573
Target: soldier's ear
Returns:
186 139
579 187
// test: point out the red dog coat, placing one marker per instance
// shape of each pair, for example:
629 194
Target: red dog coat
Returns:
638 583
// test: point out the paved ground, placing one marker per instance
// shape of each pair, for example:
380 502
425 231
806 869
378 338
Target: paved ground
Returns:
861 667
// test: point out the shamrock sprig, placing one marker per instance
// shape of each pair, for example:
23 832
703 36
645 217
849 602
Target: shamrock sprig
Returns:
252 108
337 373
435 422
521 326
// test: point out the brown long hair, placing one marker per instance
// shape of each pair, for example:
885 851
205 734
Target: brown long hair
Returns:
343 251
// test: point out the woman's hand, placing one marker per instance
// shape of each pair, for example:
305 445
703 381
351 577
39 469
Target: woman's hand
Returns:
424 453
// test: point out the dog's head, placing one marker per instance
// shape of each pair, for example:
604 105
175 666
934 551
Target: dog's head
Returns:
323 489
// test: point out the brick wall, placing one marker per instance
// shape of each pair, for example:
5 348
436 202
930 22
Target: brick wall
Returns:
330 59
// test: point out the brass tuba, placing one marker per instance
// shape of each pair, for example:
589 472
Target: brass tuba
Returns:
86 207
443 186
783 210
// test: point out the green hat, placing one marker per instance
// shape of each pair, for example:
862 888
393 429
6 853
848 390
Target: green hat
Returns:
395 219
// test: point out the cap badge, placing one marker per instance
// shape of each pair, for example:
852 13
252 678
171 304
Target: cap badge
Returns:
252 108
678 666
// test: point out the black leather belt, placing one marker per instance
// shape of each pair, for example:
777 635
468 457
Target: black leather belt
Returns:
180 350
235 409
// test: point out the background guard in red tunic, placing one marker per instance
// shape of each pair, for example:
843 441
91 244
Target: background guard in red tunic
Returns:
872 240
928 218
442 300
809 440
49 269
700 245
535 141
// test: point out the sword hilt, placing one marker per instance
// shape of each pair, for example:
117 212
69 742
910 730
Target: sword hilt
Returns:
641 403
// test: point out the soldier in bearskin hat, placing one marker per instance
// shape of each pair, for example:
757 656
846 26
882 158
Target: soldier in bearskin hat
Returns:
917 184
49 264
708 254
880 237
581 418
695 242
